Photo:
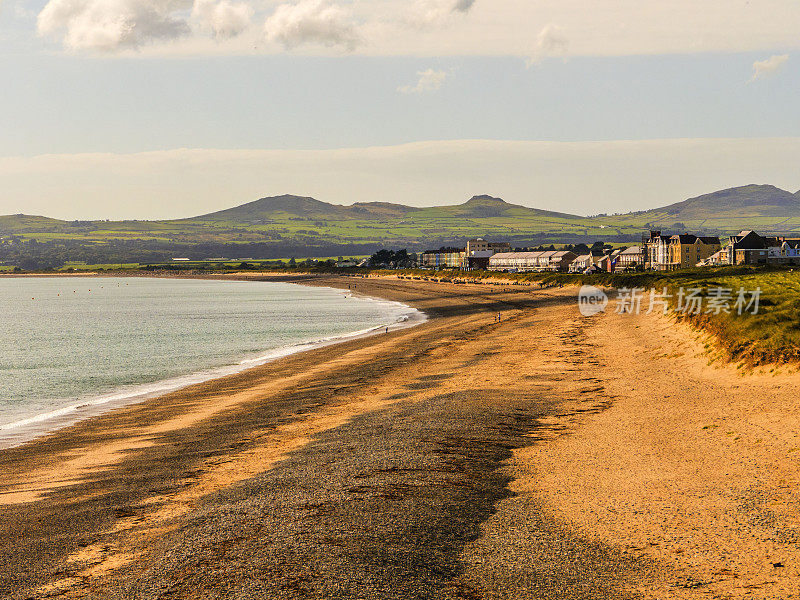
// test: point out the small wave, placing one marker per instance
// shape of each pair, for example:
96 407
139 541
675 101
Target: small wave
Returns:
23 430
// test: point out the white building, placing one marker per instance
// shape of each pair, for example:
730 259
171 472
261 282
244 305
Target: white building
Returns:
547 260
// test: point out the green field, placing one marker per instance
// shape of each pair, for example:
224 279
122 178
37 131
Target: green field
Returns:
197 264
761 208
484 217
79 266
306 221
290 225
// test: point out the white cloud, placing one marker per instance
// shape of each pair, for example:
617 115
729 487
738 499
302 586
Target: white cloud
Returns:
109 25
551 41
430 13
765 68
314 22
579 177
223 18
437 27
429 80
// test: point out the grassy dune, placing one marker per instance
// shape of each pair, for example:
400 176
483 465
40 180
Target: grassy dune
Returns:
770 336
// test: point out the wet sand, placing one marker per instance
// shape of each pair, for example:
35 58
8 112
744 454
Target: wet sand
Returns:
461 458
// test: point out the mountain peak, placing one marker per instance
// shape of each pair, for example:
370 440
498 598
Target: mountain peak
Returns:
263 207
755 187
289 201
754 201
485 199
748 196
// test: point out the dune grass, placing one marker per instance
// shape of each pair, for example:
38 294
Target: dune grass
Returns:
772 335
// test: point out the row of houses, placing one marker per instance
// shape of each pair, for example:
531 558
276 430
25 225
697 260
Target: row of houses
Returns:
666 253
680 251
497 256
657 252
750 248
475 256
548 260
618 260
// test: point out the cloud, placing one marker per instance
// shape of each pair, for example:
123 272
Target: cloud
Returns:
463 5
109 25
223 18
313 22
429 80
766 68
428 13
551 41
444 27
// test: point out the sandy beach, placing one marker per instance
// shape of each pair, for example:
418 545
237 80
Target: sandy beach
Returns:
544 456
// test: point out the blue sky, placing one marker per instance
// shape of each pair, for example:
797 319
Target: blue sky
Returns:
313 75
68 104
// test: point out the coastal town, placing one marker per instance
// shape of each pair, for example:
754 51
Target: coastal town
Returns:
400 300
657 252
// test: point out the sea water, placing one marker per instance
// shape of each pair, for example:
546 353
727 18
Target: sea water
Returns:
71 347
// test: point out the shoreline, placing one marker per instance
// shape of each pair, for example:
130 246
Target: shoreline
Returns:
25 430
462 458
83 509
316 470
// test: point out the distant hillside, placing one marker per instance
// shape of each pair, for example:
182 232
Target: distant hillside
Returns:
267 209
764 208
21 223
741 202
312 221
484 206
285 226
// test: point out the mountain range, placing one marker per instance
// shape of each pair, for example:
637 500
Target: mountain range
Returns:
281 226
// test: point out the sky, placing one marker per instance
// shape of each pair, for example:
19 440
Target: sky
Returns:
171 108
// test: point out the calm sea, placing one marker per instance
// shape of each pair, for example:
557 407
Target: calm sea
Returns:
72 347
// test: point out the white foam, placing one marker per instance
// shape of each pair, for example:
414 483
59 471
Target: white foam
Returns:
24 430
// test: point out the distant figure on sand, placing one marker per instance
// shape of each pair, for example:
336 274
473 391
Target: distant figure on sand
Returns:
387 330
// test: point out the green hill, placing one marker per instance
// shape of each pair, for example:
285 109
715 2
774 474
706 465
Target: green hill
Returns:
311 222
289 225
751 200
10 224
267 209
764 208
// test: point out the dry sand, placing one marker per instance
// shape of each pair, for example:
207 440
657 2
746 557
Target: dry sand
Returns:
694 464
547 456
